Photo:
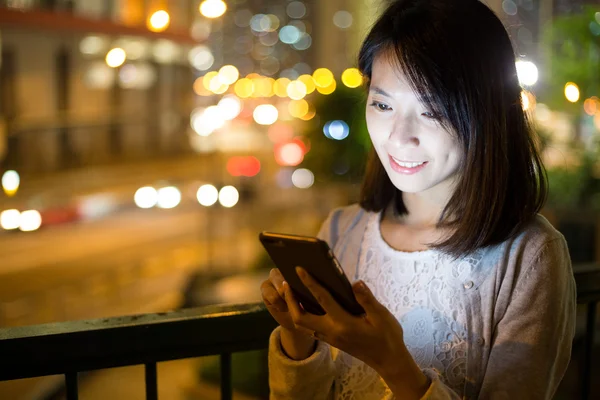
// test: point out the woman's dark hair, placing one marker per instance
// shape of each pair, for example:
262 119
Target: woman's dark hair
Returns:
459 60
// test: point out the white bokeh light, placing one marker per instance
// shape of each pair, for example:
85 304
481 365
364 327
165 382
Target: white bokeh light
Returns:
146 197
228 196
207 195
168 197
10 219
303 178
266 114
230 107
31 220
527 72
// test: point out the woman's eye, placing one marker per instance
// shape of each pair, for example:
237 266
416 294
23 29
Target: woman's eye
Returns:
429 115
380 106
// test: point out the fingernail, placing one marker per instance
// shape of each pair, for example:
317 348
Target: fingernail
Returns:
361 287
300 272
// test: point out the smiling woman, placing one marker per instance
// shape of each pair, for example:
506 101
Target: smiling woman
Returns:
468 292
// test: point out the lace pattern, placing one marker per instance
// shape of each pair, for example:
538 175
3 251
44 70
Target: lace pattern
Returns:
422 290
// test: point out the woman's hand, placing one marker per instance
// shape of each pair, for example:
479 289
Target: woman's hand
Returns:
376 338
297 342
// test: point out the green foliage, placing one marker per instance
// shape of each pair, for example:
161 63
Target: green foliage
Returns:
572 48
340 160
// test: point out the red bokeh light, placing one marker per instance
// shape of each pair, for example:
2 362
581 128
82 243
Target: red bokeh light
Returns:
243 166
289 154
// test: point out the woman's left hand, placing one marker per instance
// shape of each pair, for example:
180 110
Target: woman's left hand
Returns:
376 337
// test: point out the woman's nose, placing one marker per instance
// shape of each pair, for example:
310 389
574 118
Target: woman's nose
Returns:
404 135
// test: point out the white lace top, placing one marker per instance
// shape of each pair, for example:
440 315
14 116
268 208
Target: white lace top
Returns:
418 288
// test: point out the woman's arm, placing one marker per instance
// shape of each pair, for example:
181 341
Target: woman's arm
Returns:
531 346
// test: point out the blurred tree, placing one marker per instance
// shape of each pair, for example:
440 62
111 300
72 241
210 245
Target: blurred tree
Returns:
340 160
572 48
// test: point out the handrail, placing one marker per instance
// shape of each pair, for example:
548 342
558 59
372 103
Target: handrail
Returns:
74 346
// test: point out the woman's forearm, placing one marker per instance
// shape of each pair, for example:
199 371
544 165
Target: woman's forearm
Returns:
297 346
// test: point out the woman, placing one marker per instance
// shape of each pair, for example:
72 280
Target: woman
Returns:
468 292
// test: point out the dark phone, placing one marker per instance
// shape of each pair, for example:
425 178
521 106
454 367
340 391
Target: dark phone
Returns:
315 256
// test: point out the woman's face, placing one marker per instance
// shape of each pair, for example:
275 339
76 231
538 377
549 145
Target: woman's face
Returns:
416 152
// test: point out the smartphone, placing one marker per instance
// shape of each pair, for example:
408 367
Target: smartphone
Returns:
315 256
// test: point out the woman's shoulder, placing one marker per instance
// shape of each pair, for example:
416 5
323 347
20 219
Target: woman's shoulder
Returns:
341 220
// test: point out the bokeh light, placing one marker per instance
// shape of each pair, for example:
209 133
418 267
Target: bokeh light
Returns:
298 108
168 197
159 21
263 87
145 197
266 114
280 132
323 77
230 107
280 87
289 154
329 89
243 166
213 8
205 121
10 182
10 219
228 74
572 92
244 88
201 58
590 105
527 72
228 196
308 82
352 78
296 90
296 9
207 195
289 34
337 130
115 57
31 220
303 178
342 19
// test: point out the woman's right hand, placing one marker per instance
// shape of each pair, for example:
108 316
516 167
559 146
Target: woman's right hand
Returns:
297 342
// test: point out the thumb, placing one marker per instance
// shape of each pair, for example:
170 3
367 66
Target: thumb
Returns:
367 300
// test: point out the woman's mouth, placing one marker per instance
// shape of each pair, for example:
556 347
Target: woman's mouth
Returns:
407 167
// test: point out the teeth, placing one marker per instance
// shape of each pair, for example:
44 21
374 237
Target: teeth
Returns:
408 165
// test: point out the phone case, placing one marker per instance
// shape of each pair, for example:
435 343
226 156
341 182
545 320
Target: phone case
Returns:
315 256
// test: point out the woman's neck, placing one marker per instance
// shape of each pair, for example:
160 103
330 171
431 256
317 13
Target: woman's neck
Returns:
423 211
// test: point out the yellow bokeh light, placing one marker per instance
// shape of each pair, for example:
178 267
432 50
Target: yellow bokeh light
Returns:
244 88
208 78
312 112
199 88
329 89
159 21
308 82
280 87
296 90
217 87
263 87
597 121
572 92
115 57
323 78
253 75
213 8
352 78
228 74
298 108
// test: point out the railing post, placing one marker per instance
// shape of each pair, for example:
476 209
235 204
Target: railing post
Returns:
588 349
151 383
71 383
226 388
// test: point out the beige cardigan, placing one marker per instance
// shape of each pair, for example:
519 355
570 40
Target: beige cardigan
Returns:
521 309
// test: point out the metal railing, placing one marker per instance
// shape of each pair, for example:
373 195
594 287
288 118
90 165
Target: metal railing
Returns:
76 346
